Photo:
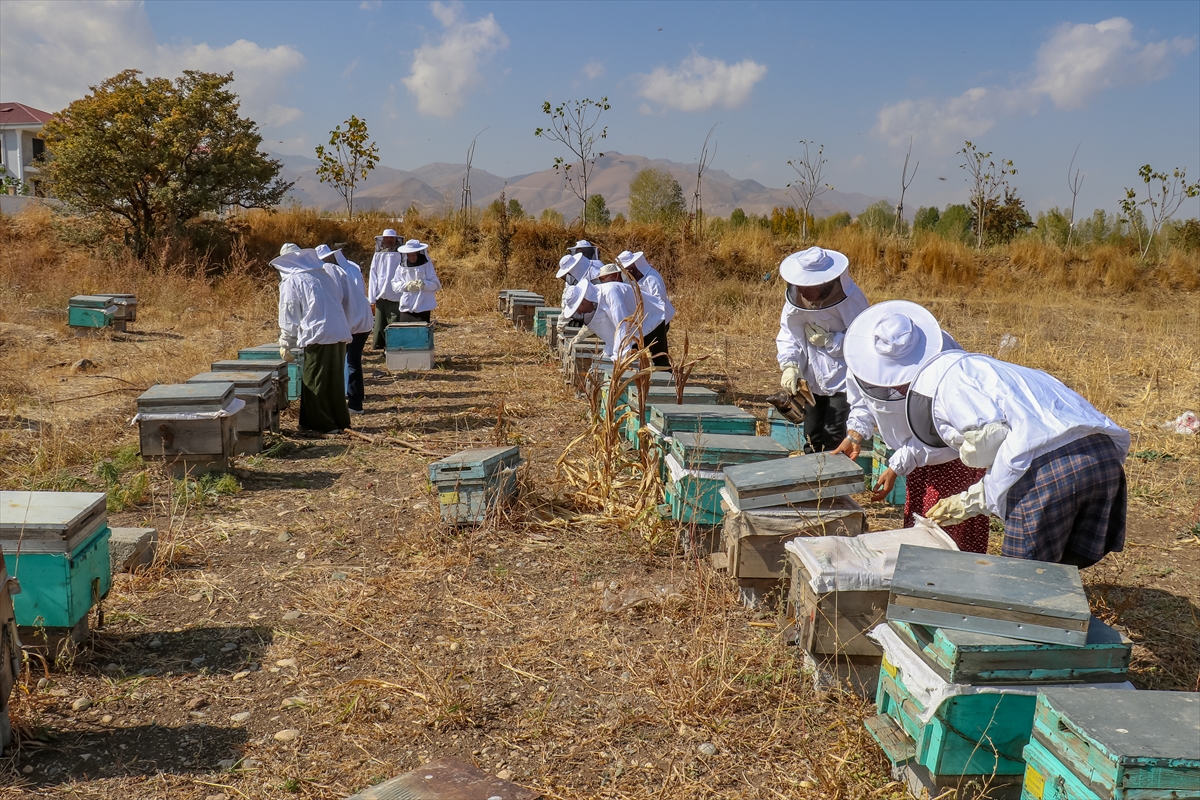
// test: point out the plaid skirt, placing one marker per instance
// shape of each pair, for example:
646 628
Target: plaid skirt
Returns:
1070 506
926 485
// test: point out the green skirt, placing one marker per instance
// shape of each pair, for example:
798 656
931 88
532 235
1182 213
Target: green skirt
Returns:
323 388
386 312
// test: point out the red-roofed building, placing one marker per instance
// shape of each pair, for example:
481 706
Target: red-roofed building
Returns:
20 147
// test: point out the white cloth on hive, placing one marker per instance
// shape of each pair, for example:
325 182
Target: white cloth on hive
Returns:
310 302
823 368
230 409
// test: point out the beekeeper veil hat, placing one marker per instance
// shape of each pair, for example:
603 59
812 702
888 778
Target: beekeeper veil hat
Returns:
813 266
887 344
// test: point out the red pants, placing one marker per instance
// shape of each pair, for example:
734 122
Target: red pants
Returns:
927 485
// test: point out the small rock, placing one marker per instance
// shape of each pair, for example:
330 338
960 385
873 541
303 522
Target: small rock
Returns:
59 692
294 702
148 672
505 775
237 676
250 763
196 702
82 704
301 555
217 797
107 718
707 749
286 662
287 735
806 784
241 716
291 615
112 669
197 714
454 645
338 576
155 643
84 756
227 763
43 683
27 769
197 661
83 365
283 537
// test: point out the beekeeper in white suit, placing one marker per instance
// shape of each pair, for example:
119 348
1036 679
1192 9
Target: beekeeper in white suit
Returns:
610 309
1054 463
311 316
385 301
358 313
820 302
416 281
651 283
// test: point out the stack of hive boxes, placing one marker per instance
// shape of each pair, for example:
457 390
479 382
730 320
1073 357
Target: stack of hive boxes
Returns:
279 377
545 318
969 642
409 346
474 483
88 314
521 308
190 426
259 412
270 352
10 651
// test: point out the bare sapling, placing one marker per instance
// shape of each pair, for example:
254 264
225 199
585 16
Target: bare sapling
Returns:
573 124
702 167
905 181
1074 183
810 181
465 206
1165 193
682 368
988 179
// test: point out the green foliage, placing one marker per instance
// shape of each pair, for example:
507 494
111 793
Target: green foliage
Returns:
1054 226
785 221
880 216
1004 221
1165 193
205 489
12 182
552 216
1186 235
834 222
350 158
514 209
988 181
926 219
573 124
152 155
738 218
595 211
123 492
955 223
655 197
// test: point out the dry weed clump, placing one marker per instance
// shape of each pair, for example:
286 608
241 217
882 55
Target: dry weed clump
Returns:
947 262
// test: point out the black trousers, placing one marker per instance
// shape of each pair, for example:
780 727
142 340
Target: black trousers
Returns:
825 422
413 316
656 342
356 391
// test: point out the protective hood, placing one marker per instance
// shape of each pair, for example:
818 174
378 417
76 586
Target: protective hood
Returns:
813 266
575 265
887 344
919 403
298 261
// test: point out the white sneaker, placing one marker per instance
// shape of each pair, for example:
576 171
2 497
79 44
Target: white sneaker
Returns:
357 412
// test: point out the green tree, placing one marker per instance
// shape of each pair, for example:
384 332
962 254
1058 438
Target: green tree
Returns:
989 181
738 218
514 209
1003 221
595 211
552 216
880 216
1165 193
926 218
955 223
154 154
1054 226
655 196
785 221
348 160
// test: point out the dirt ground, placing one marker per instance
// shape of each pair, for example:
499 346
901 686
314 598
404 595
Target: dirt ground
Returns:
319 630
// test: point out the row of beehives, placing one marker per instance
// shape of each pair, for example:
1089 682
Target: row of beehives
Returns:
88 314
984 669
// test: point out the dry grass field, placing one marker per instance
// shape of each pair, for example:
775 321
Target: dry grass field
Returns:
316 592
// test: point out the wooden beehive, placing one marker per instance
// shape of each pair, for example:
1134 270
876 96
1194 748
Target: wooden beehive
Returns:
880 453
502 300
472 483
755 541
544 319
833 623
127 305
278 368
10 652
521 309
1011 597
181 424
260 414
56 545
1130 746
87 313
672 419
270 352
408 336
817 476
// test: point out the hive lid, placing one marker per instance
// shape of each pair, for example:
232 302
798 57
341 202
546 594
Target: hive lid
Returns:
257 379
815 476
700 411
715 450
50 513
476 463
91 301
665 394
189 396
123 299
410 325
277 366
1133 726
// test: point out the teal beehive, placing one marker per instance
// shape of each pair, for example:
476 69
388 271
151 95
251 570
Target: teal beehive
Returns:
671 419
694 470
89 311
787 433
472 483
409 336
56 546
544 318
880 453
270 352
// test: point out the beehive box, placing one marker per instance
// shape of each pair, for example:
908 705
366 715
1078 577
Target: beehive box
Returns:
408 336
880 453
672 419
580 359
544 319
182 425
278 368
755 541
502 300
663 394
833 623
472 483
87 313
787 433
56 545
408 360
521 309
10 652
127 306
1011 597
817 476
1133 746
260 412
981 659
270 352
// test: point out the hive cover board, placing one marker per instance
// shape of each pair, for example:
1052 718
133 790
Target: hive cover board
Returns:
91 301
980 658
671 419
817 476
50 522
661 394
714 451
258 380
1013 597
446 779
276 366
186 397
472 464
659 377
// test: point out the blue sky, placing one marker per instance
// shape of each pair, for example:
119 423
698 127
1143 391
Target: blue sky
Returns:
1028 81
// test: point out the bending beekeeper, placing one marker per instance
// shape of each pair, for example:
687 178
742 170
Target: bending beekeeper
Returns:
358 313
612 307
1054 463
884 348
572 269
650 283
311 317
415 283
385 302
820 302
592 253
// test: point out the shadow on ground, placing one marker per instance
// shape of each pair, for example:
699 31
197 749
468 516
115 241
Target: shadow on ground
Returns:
1166 625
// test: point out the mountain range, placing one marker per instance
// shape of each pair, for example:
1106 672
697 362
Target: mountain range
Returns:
438 187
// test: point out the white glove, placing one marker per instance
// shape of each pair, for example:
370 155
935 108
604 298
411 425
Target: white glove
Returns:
584 332
414 286
959 507
790 379
980 446
286 354
817 336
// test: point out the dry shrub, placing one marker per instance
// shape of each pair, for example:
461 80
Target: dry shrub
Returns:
861 245
749 249
1035 259
1117 269
1181 270
948 263
895 256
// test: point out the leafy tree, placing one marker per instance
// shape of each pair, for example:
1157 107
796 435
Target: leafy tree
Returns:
1003 221
595 211
153 154
955 223
1165 193
989 180
738 218
573 124
785 221
552 216
350 158
514 209
1054 226
1186 235
655 196
833 223
880 216
926 218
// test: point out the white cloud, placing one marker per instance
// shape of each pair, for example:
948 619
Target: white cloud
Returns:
370 5
47 64
701 83
443 74
1074 65
593 69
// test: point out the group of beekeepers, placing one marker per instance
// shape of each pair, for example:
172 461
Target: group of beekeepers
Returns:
975 436
623 303
327 310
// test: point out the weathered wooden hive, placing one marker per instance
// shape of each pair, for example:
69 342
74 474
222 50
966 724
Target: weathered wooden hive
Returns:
10 651
270 352
89 313
669 419
189 426
409 346
127 306
278 368
817 476
521 309
255 388
694 471
544 320
473 483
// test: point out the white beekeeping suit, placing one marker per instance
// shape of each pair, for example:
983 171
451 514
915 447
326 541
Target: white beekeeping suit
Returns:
310 302
415 284
350 281
651 282
383 270
615 307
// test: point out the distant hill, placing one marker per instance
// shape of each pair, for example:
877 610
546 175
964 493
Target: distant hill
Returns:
438 187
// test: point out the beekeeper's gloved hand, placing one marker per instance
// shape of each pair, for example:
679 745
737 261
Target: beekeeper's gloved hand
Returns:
286 354
584 332
959 507
790 379
817 336
414 286
980 446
